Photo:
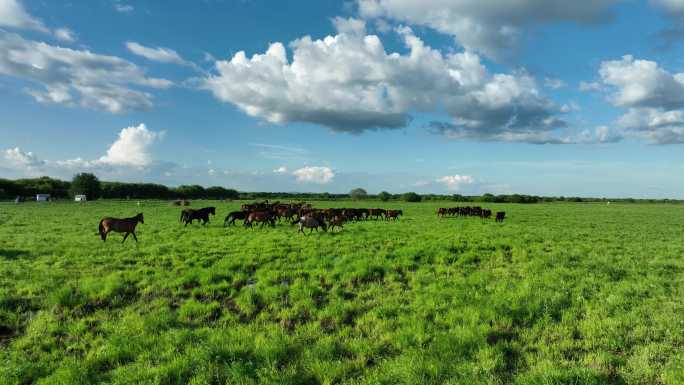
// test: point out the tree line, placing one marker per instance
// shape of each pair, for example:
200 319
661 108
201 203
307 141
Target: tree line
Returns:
93 188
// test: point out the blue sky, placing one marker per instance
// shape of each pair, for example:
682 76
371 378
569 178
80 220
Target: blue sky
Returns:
536 97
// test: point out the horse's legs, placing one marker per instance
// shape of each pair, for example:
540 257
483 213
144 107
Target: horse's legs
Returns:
134 237
125 236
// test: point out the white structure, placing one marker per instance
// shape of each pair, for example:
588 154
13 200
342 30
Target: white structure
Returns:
42 197
80 198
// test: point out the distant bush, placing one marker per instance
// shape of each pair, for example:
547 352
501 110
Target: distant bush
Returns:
412 197
384 196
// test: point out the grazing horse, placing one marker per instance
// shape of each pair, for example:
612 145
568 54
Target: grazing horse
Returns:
200 215
393 214
500 215
235 215
126 225
311 223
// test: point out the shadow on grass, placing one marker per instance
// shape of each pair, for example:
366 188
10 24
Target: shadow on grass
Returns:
12 254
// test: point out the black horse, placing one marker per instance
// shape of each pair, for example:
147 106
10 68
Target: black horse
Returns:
200 215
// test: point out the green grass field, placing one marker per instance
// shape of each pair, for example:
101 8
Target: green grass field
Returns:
558 294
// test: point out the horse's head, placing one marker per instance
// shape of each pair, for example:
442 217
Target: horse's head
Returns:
212 210
140 218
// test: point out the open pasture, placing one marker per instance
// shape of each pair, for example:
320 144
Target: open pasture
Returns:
557 294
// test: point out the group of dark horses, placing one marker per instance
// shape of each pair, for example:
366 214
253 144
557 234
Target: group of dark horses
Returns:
470 212
307 217
303 214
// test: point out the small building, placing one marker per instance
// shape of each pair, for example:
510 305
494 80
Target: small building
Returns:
42 197
80 198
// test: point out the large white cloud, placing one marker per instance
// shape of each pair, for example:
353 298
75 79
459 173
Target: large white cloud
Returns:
654 99
76 77
314 174
132 148
658 125
13 15
489 26
348 82
642 83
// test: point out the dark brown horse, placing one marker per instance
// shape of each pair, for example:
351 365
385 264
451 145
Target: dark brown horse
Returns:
311 223
263 217
126 225
235 215
336 221
185 213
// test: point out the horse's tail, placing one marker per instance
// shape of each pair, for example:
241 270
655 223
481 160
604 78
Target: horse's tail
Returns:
103 233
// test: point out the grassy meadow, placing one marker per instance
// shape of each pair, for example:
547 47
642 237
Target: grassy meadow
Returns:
558 294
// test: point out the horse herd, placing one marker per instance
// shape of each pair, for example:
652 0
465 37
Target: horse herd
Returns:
303 214
470 212
262 214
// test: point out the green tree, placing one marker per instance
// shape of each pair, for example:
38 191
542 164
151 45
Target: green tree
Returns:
190 191
217 192
358 194
384 196
87 184
412 197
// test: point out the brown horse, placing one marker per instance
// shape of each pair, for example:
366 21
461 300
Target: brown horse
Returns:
393 214
337 221
126 225
260 217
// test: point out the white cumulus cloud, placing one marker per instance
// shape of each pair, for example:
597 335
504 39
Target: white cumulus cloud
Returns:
131 151
349 83
456 182
653 97
13 15
490 27
132 148
314 174
18 159
76 77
